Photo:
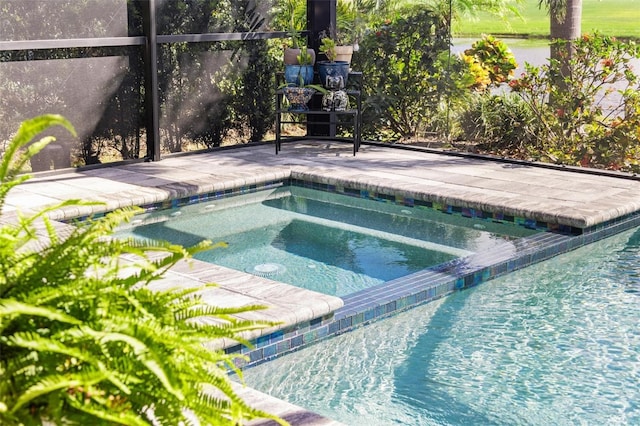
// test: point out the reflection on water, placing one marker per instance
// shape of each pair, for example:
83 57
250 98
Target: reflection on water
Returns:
554 344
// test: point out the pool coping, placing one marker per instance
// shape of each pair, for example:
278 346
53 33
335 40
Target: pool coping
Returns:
308 317
393 297
514 189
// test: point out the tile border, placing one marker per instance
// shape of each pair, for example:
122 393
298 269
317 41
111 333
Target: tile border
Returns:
404 293
408 292
356 190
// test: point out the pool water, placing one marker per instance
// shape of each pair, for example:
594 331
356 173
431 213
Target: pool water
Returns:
330 243
557 343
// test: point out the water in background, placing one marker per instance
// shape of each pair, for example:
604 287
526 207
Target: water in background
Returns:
556 343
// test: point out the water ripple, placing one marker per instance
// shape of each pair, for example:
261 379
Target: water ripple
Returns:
557 343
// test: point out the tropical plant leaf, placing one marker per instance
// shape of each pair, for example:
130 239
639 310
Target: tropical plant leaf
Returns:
49 384
13 161
10 309
98 411
85 340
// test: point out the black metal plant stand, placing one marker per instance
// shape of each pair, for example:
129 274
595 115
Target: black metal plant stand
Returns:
354 112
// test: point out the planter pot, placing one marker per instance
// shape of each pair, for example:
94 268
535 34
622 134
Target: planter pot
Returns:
344 53
293 73
298 97
333 75
291 56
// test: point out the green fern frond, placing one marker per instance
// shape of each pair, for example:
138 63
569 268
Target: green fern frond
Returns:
184 312
13 161
10 309
186 295
208 401
220 409
5 188
83 337
55 382
20 365
81 354
145 354
28 130
99 411
51 232
34 341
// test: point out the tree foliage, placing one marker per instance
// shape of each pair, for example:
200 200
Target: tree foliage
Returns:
405 80
594 116
582 110
202 86
83 337
490 62
209 91
501 125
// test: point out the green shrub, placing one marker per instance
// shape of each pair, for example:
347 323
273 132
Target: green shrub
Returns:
587 105
490 62
83 340
404 74
500 124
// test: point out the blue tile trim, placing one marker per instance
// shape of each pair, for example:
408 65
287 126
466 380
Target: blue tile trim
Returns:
431 284
270 351
399 198
416 289
197 198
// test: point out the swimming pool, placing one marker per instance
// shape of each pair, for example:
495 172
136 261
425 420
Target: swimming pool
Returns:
326 242
556 343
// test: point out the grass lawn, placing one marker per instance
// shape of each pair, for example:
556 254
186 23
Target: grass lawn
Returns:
620 18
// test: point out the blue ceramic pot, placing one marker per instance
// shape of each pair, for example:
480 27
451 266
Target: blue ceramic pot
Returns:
337 73
293 73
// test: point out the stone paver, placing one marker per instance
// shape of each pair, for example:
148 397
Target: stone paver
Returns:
295 415
555 196
574 199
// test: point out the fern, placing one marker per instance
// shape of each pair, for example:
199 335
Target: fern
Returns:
82 337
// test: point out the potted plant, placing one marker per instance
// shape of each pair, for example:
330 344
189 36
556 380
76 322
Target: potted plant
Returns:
350 22
299 93
332 67
344 53
345 45
303 68
298 42
298 45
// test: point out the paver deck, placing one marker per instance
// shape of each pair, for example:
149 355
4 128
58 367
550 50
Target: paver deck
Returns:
555 196
549 195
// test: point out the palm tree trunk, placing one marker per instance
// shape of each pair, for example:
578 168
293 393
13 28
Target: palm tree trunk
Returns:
565 26
566 17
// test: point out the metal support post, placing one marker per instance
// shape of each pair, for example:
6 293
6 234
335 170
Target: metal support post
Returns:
151 100
321 16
